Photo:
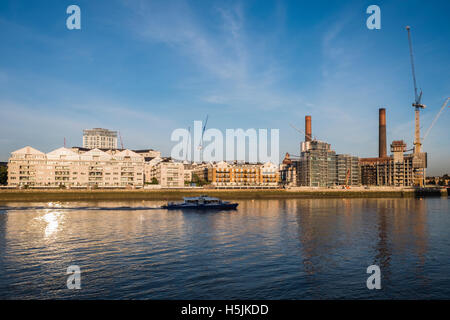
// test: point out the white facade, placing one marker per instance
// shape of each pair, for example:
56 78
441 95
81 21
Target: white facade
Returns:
64 167
168 173
99 138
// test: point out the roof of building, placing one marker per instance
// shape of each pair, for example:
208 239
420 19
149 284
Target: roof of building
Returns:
222 164
102 149
57 153
287 159
269 164
100 129
27 150
97 152
127 153
114 149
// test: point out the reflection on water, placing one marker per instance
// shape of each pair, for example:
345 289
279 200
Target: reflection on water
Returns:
267 249
51 218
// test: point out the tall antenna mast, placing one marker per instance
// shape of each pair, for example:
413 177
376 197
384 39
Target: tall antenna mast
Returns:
188 145
200 146
121 142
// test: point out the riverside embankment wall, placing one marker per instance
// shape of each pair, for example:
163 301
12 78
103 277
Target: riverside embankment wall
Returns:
177 194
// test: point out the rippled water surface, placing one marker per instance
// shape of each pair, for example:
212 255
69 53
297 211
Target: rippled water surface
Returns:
267 249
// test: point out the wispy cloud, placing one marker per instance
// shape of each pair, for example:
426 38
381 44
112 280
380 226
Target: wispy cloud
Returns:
243 75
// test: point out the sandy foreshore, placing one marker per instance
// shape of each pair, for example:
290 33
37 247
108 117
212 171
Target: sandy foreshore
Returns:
178 194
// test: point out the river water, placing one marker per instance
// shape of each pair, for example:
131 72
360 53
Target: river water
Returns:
267 249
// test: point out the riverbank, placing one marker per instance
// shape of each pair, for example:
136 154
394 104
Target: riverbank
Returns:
178 194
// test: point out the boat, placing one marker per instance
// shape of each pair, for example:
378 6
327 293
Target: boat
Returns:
201 202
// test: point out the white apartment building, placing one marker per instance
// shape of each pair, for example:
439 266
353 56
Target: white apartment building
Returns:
64 167
99 138
168 173
270 174
150 170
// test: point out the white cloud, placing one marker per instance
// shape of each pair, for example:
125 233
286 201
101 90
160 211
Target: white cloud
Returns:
244 76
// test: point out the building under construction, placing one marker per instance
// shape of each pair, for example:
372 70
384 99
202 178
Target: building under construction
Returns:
347 169
319 165
398 169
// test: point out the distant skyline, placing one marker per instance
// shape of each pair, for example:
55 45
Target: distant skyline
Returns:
146 68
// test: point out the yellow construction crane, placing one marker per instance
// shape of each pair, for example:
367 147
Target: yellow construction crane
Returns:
419 159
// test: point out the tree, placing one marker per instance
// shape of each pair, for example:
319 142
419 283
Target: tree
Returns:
154 181
3 175
196 179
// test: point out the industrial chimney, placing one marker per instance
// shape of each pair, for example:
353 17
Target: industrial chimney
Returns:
382 133
308 132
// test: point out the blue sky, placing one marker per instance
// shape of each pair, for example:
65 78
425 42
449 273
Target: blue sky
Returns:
148 67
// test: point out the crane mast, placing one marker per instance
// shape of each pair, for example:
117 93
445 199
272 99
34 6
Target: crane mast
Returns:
188 146
200 146
408 28
121 141
419 159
